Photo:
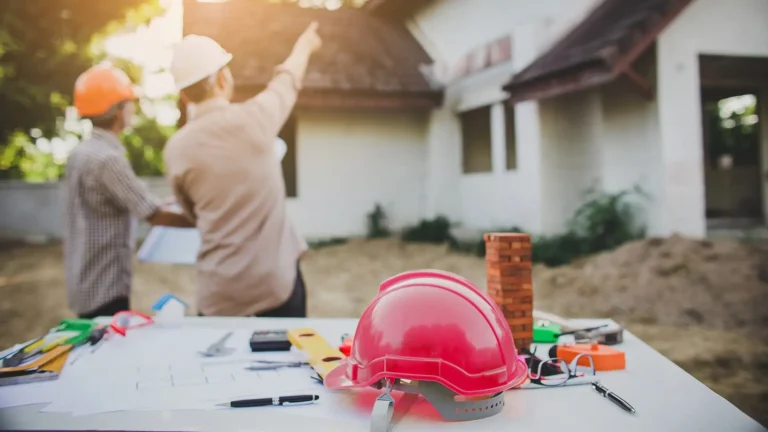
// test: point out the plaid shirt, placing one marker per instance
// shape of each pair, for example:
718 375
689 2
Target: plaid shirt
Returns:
103 194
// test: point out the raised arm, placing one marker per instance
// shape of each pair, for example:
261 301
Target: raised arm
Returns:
270 108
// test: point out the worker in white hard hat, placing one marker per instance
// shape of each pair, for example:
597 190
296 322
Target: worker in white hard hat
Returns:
224 170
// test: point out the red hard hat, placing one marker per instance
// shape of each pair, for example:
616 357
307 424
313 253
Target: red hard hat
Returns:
100 88
433 326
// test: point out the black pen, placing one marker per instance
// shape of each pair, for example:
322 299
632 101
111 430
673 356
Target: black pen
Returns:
273 401
613 397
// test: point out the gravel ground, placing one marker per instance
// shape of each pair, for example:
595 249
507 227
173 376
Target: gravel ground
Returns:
701 304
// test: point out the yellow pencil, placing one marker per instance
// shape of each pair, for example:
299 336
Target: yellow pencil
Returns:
54 344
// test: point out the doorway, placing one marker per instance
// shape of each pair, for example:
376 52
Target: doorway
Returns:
732 89
732 168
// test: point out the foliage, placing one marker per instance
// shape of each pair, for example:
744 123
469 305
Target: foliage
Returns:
429 231
733 132
377 223
144 143
334 241
44 46
22 159
603 222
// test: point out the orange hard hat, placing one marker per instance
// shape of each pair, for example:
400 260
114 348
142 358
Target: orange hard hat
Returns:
100 88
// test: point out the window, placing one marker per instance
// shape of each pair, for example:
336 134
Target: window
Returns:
509 113
476 140
288 134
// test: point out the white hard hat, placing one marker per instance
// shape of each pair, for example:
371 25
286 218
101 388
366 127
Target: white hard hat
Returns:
196 58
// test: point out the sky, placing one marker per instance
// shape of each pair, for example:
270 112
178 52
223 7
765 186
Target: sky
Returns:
150 46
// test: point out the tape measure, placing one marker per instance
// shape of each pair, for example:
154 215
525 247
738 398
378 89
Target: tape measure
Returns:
605 358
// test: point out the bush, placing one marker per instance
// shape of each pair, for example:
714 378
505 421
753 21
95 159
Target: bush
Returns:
430 231
319 244
603 222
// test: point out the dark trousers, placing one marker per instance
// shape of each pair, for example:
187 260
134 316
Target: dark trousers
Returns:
117 305
295 306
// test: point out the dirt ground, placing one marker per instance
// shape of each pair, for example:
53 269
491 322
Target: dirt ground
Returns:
704 305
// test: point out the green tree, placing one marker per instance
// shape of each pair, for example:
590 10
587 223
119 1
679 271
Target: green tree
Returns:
44 46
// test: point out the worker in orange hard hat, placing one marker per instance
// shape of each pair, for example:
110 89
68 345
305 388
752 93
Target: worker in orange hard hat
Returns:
104 195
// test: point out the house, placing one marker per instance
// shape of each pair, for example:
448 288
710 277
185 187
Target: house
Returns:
499 113
169 309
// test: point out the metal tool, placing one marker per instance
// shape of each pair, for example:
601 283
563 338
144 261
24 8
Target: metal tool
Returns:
218 348
14 356
273 365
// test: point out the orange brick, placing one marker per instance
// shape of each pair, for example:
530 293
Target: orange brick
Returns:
513 308
521 328
514 289
522 335
526 321
518 314
506 237
504 280
517 300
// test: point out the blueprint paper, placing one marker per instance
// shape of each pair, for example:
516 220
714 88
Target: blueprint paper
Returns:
170 245
161 369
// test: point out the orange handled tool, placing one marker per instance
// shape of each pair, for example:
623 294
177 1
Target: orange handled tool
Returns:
605 358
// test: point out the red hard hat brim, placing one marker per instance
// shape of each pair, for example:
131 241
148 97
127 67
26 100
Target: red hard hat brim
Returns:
337 379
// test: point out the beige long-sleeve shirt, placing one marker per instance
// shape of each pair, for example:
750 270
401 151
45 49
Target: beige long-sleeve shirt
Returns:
226 177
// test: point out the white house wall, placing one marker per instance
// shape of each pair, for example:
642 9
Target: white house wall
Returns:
630 148
571 128
714 27
455 27
449 29
348 162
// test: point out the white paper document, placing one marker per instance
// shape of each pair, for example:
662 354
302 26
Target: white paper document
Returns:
161 369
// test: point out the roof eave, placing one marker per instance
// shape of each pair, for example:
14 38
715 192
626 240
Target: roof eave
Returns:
585 75
357 99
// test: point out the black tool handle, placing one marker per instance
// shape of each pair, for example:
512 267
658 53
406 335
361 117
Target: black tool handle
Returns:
247 403
619 401
251 403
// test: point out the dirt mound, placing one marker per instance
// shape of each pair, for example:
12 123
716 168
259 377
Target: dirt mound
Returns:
675 281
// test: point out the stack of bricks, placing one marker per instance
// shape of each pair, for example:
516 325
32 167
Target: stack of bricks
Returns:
510 282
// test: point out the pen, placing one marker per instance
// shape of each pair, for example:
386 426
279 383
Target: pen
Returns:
613 397
274 401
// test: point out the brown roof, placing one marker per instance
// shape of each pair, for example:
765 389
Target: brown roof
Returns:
361 54
597 50
394 9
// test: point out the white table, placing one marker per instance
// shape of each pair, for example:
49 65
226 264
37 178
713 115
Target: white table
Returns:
665 396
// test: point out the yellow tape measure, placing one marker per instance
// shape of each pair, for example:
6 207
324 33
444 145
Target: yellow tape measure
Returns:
322 356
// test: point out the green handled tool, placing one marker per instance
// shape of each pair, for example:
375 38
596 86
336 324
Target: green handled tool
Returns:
545 331
81 326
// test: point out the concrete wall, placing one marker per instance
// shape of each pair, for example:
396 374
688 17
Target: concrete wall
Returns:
630 147
571 155
736 27
36 211
347 162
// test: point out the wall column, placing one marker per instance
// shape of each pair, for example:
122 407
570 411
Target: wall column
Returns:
762 104
681 166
